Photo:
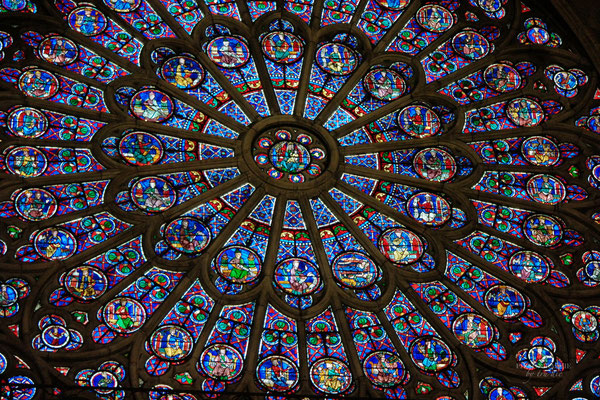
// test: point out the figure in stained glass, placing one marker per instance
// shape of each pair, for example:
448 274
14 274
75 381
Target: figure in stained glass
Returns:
8 295
529 266
170 342
228 52
584 321
435 18
592 270
543 230
123 5
297 276
238 264
26 161
55 243
538 35
151 105
85 282
502 77
282 47
501 394
337 59
384 84
505 301
221 362
124 315
183 72
88 21
331 376
58 50
540 357
565 80
431 354
39 83
56 336
290 157
473 330
140 148
401 246
384 369
27 122
525 112
355 270
105 381
419 121
546 189
429 209
14 5
277 373
187 235
471 45
153 194
35 204
541 151
435 164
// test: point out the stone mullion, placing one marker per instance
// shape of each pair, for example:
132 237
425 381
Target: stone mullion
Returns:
404 355
395 178
392 33
116 18
513 202
66 178
433 320
267 293
364 386
12 98
301 94
42 363
521 242
358 234
228 87
315 20
370 201
180 133
358 123
76 76
401 282
119 342
358 13
313 230
263 73
251 360
407 144
334 293
210 194
427 233
342 93
113 173
197 104
200 266
169 19
304 370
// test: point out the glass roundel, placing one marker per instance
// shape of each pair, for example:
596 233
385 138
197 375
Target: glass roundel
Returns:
327 199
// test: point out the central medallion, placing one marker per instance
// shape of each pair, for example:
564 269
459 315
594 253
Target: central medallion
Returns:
289 157
293 154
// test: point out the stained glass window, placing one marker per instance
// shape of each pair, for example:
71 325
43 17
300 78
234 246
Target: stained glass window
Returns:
297 199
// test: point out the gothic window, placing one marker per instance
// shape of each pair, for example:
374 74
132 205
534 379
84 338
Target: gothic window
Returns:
330 198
